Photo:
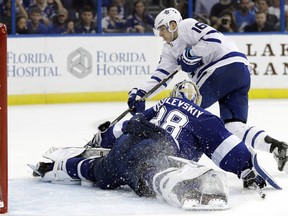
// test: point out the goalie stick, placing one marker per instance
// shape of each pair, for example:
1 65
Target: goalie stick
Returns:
262 172
104 126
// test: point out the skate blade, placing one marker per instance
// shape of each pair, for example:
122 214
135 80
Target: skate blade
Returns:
215 204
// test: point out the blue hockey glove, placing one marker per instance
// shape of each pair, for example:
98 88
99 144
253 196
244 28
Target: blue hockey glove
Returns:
188 62
250 177
136 105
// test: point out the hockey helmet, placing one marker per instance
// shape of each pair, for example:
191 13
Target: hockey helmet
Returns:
188 90
166 16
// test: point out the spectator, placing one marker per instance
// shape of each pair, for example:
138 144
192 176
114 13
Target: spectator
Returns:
260 25
35 26
6 17
21 25
61 24
204 7
226 22
244 16
122 8
275 8
86 25
217 9
48 9
20 10
140 21
263 7
112 23
74 7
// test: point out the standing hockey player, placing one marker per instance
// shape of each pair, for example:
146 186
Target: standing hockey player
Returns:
219 69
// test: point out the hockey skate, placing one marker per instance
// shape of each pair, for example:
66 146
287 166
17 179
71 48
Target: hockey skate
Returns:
41 168
280 153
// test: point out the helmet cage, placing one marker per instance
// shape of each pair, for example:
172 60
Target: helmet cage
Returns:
187 90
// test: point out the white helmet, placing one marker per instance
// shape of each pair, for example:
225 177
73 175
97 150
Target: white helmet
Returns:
188 90
166 16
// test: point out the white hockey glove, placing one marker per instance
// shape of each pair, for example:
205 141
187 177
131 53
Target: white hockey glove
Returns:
188 62
134 102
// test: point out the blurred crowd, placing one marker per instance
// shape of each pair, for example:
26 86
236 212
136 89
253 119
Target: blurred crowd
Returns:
137 16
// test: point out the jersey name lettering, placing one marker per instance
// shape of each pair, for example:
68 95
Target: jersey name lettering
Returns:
186 106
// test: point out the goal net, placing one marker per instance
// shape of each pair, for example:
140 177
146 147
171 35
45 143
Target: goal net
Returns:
3 120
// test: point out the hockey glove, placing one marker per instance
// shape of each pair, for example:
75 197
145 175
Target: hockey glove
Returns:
134 102
188 62
250 177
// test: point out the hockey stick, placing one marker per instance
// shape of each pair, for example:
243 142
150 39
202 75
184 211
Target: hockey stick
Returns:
103 127
262 172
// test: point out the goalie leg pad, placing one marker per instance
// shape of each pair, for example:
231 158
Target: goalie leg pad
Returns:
58 153
192 186
78 167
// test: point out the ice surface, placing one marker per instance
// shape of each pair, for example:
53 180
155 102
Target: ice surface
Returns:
34 129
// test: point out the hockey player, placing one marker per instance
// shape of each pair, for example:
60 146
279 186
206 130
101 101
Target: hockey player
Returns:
145 160
220 70
149 158
195 131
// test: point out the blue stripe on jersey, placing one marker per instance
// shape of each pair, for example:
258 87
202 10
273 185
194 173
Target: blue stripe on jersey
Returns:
212 40
156 78
200 74
163 71
229 55
166 73
224 148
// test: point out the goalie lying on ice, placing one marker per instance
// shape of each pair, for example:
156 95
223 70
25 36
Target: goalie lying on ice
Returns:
146 162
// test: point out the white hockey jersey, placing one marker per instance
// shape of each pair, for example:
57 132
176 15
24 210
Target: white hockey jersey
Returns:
215 49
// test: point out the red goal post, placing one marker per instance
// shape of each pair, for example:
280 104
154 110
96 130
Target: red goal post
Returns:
3 121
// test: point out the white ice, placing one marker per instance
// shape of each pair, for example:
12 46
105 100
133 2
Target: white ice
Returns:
34 129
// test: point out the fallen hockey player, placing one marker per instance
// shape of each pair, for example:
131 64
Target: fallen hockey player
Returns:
144 160
146 157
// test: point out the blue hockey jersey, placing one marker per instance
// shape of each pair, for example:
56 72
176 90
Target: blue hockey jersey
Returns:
196 131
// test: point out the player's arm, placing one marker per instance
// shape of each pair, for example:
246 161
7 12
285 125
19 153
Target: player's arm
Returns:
202 40
166 66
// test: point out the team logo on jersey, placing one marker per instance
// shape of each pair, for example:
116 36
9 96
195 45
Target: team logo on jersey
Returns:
79 63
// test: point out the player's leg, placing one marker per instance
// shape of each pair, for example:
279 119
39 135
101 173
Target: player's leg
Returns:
221 85
231 89
68 165
260 140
